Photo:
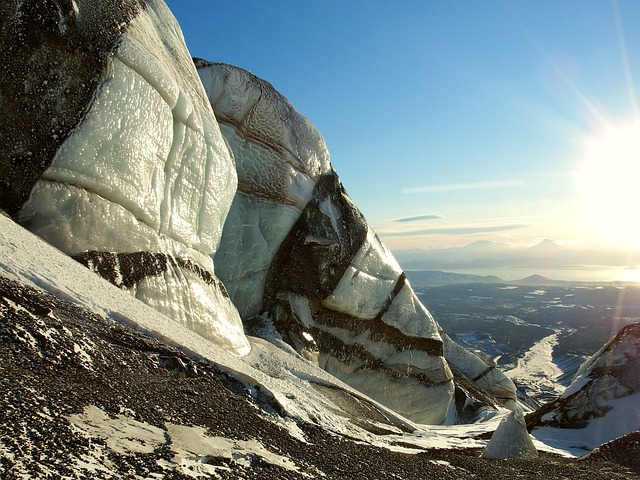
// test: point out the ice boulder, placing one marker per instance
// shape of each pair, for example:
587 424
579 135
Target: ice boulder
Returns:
603 401
511 439
111 152
297 252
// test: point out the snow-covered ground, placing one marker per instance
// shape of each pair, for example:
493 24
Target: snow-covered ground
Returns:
537 371
623 417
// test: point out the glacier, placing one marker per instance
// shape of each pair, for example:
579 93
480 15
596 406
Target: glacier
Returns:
308 261
146 170
211 203
201 191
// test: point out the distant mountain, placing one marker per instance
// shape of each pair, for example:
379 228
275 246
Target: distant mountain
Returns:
436 278
486 254
536 280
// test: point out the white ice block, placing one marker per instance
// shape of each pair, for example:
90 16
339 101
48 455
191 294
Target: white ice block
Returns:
511 439
409 315
368 282
253 233
254 106
360 294
492 380
375 259
148 170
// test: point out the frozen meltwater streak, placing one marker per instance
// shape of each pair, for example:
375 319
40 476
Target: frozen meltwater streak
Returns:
147 170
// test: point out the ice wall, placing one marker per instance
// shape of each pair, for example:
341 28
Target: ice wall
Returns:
139 191
137 185
279 157
296 250
54 55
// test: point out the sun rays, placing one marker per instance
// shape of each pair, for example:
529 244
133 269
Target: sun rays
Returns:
608 185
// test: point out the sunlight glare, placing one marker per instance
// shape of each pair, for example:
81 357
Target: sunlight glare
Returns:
608 185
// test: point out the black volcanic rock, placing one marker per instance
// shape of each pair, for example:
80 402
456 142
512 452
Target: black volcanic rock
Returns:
54 54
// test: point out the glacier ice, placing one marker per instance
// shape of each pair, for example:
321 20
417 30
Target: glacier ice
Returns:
488 377
511 439
49 81
294 247
151 189
147 169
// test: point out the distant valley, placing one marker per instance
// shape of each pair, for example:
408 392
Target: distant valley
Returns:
502 321
580 262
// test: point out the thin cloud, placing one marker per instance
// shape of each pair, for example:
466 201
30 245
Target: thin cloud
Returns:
452 187
454 230
418 218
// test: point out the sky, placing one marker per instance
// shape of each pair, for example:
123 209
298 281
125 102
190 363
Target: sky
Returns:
456 121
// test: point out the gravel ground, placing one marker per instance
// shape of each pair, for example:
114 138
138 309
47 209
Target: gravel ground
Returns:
57 359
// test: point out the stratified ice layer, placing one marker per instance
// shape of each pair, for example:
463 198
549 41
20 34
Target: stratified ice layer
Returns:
140 189
147 170
294 247
488 377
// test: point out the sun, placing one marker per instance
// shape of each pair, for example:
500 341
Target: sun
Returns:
608 185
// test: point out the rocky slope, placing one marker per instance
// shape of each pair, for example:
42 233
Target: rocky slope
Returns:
83 396
603 401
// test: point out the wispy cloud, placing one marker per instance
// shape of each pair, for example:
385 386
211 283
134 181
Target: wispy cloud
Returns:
454 230
418 218
452 187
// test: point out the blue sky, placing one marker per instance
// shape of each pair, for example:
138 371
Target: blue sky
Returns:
469 118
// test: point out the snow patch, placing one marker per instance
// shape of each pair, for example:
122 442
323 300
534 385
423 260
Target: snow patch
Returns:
200 455
196 453
537 371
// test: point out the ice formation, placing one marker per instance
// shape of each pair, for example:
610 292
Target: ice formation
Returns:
603 401
137 184
54 55
511 439
294 247
140 189
485 376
